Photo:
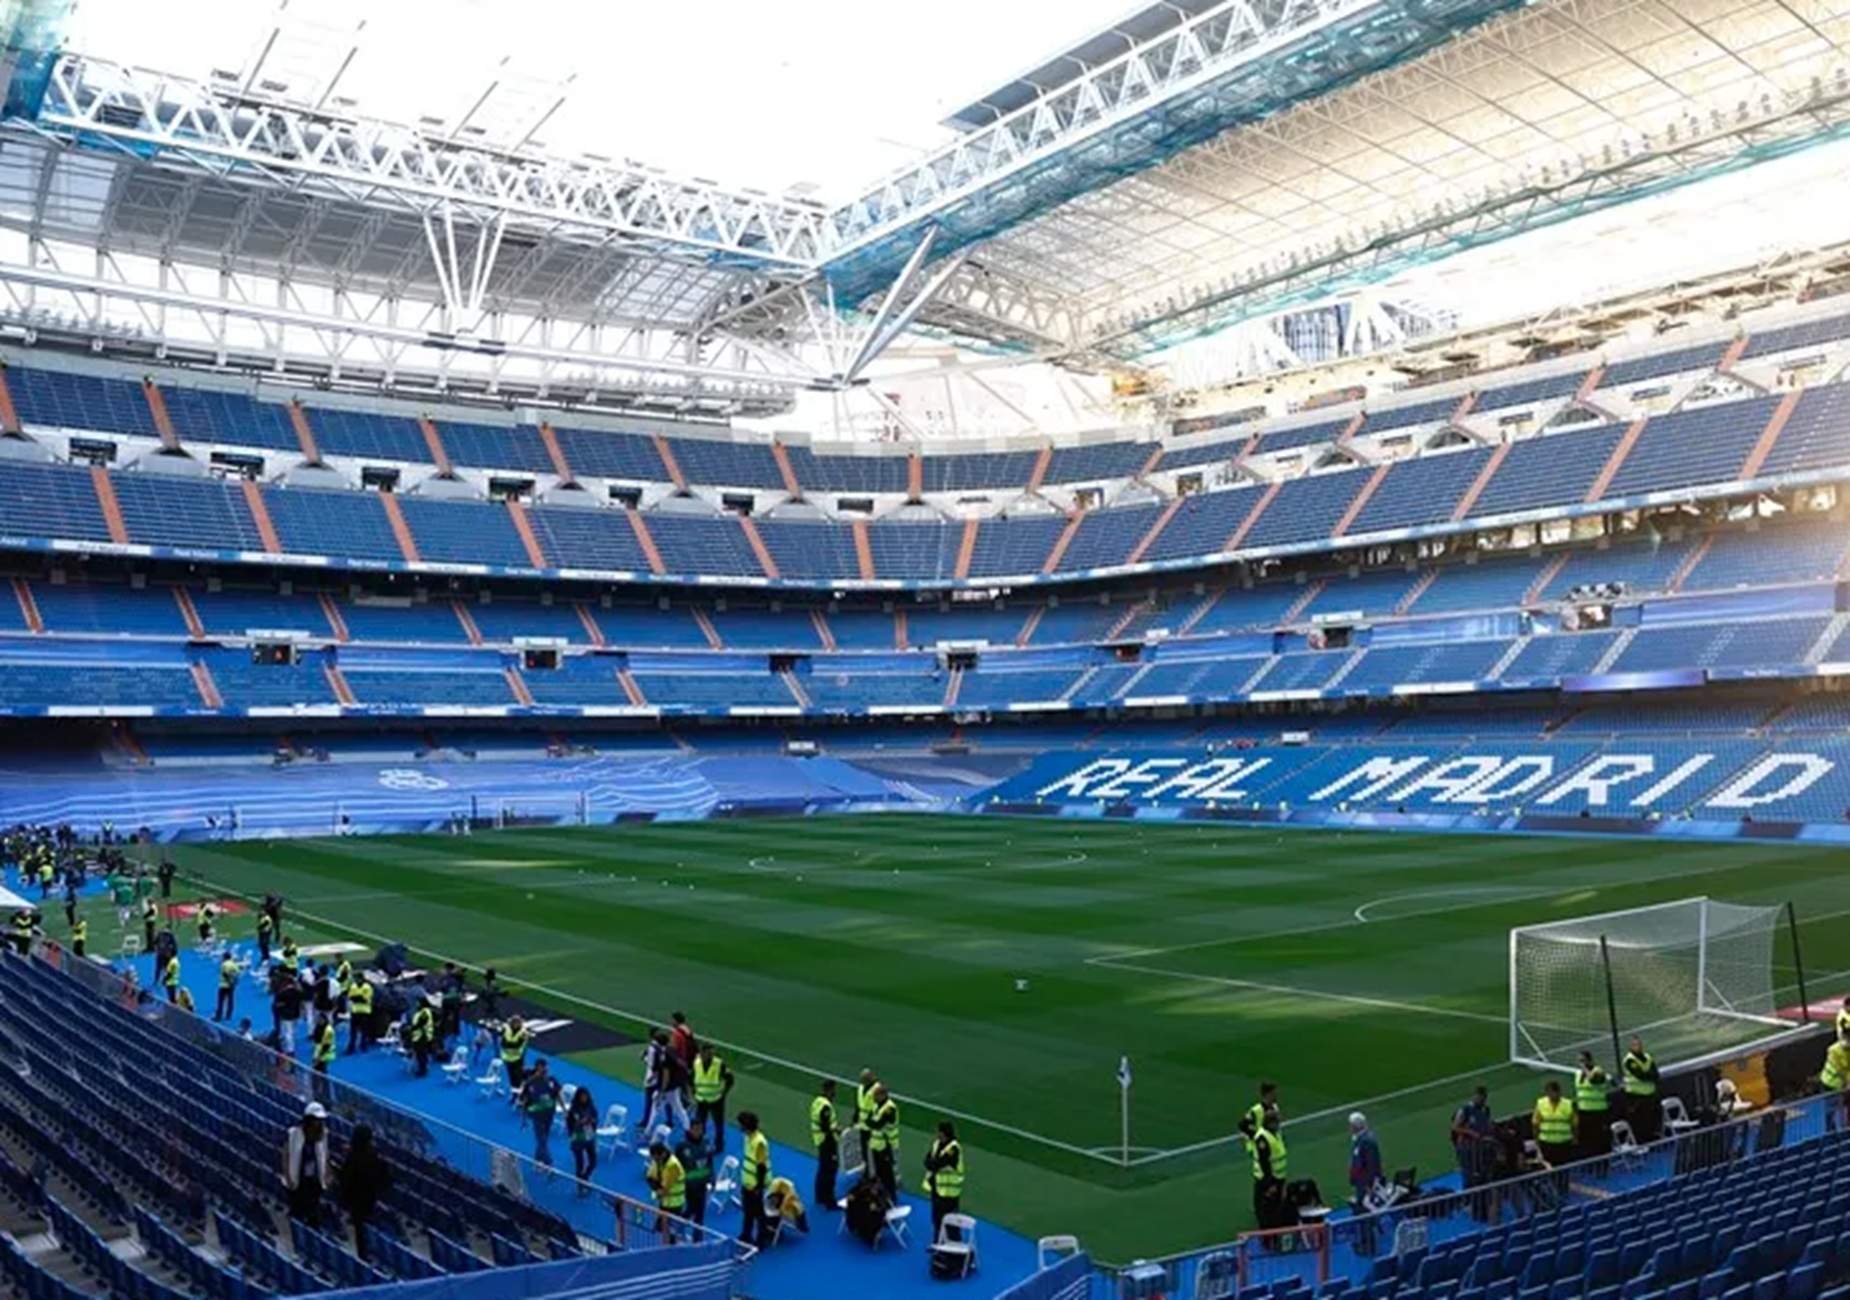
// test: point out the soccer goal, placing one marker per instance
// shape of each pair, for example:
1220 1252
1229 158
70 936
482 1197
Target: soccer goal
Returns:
530 810
1692 978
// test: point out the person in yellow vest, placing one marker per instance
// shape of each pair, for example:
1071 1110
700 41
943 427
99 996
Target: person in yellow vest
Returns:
228 972
170 978
292 956
80 936
1843 1022
21 931
424 1036
514 1039
1252 1119
1271 1166
782 1202
150 916
343 981
47 874
266 932
325 1051
864 1111
359 1014
1554 1125
825 1137
754 1179
1638 1073
185 1001
944 1174
1835 1077
712 1085
883 1141
208 913
1592 1120
668 1184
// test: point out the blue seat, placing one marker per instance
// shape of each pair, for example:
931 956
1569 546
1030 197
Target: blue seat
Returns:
1770 1287
1805 1282
1602 1269
1715 1284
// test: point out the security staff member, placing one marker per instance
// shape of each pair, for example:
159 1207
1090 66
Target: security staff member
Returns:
359 1015
864 1112
170 978
883 1141
1591 1126
668 1184
208 913
754 1178
292 956
266 932
21 933
712 1085
1843 1022
1554 1125
323 1040
1271 1165
1639 1073
150 915
1253 1118
1835 1077
343 980
424 1035
228 972
80 937
825 1137
944 1174
514 1039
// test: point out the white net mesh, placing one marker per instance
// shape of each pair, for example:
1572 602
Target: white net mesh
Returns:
1690 977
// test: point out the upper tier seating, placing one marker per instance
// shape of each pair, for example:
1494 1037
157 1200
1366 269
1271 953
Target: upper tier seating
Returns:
1526 392
369 435
1701 356
209 415
1419 491
1104 460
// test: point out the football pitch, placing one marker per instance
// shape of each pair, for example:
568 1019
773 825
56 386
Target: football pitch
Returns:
996 970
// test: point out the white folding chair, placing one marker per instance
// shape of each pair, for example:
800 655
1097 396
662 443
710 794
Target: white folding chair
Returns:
1676 1118
895 1226
131 945
614 1132
493 1083
456 1069
957 1239
1625 1144
725 1190
1049 1251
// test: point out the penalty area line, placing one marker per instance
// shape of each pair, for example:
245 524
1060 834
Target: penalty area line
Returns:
1357 999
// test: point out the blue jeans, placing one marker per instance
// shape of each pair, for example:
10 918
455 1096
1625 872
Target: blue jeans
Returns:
542 1139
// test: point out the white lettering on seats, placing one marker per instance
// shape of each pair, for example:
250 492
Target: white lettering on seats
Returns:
1448 779
1074 783
1597 778
1806 771
1372 777
1528 772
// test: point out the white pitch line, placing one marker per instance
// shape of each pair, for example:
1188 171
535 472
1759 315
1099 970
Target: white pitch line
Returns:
1488 893
1387 1004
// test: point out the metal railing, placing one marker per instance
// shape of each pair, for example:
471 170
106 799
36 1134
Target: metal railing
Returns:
603 1220
1348 1246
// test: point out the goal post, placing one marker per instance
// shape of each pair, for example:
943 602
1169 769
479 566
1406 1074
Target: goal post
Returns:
557 809
1693 977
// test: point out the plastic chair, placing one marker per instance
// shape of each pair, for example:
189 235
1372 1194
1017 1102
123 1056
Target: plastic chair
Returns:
725 1190
456 1069
1049 1251
957 1239
895 1226
494 1082
614 1133
1676 1118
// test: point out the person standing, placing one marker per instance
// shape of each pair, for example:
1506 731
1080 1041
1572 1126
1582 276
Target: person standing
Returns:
1592 1126
1365 1174
581 1131
754 1178
80 936
488 1001
864 1113
150 915
166 871
286 1007
170 977
712 1085
696 1156
70 897
228 973
423 1035
514 1039
363 1181
1835 1077
825 1137
944 1174
359 1014
681 1040
667 1181
1639 1075
1474 1139
1252 1119
1554 1125
883 1141
305 1164
1271 1163
539 1101
324 1053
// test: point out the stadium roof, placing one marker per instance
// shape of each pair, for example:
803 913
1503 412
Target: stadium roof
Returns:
1192 165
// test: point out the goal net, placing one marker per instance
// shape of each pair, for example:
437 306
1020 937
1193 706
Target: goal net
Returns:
561 809
1691 978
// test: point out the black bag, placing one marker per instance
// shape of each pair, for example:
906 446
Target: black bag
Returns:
866 1208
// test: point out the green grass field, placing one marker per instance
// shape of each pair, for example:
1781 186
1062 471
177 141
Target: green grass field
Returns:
1355 969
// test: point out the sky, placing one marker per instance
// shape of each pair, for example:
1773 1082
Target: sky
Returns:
829 93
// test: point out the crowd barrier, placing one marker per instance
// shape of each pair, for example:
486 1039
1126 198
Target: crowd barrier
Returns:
604 1220
1347 1246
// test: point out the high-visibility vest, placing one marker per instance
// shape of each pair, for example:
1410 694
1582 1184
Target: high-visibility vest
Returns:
343 974
360 998
757 1161
1275 1143
709 1079
947 1180
423 1025
864 1105
1836 1071
1843 1024
228 974
821 1120
885 1126
80 932
291 956
513 1044
324 1045
170 974
1590 1089
264 924
1638 1081
1554 1121
669 1180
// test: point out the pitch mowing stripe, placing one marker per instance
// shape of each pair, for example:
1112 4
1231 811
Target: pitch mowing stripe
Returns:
1354 999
